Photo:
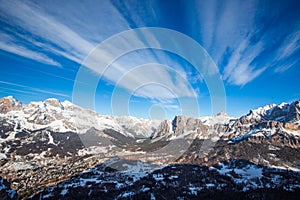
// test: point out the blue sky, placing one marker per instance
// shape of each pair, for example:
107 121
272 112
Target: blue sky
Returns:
254 44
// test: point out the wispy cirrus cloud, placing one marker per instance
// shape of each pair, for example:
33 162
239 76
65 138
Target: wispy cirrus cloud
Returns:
59 38
245 38
248 38
45 29
7 44
289 47
171 104
32 90
154 80
240 69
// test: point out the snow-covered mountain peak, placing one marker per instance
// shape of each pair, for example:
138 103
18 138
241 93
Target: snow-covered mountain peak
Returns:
221 114
283 112
260 111
11 99
217 119
48 106
67 103
53 102
65 116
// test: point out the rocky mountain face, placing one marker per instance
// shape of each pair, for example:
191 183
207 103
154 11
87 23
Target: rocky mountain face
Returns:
283 112
57 150
65 116
278 124
177 127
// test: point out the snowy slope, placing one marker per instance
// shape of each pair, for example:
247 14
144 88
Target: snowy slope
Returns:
283 112
221 118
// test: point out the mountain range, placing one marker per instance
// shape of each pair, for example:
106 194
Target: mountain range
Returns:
58 150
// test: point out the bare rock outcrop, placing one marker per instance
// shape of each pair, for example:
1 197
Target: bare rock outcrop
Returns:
178 126
183 124
164 128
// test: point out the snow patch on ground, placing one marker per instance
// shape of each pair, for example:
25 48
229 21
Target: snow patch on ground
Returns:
2 156
64 192
158 177
195 190
137 171
20 166
51 141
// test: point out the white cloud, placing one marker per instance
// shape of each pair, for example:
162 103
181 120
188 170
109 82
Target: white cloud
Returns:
243 74
47 26
7 44
225 25
32 19
288 47
130 72
167 103
32 89
229 26
72 43
153 81
238 31
240 69
286 66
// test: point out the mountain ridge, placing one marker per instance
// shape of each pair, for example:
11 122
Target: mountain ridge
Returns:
65 116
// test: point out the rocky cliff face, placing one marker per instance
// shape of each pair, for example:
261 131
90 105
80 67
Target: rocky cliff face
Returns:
178 126
275 125
182 124
283 112
278 124
164 129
